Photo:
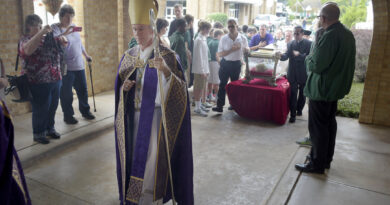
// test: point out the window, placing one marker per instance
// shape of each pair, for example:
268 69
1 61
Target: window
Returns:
234 10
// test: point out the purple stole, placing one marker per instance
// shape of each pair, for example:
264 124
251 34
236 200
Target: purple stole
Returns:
143 135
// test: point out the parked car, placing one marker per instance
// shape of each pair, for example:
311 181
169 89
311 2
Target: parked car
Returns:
272 21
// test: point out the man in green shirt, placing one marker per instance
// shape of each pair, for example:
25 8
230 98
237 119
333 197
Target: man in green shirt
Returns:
330 68
177 40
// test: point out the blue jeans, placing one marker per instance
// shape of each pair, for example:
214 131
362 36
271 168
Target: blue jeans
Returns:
77 80
44 102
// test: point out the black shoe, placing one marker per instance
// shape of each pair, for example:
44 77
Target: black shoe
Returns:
42 140
327 166
70 120
308 158
309 168
89 116
217 109
54 135
292 119
230 108
299 113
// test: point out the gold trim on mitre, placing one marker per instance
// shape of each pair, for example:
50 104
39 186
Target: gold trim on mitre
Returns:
139 11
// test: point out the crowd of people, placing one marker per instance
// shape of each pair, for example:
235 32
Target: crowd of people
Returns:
214 55
311 65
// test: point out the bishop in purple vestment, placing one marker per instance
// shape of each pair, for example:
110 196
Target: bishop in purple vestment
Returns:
144 86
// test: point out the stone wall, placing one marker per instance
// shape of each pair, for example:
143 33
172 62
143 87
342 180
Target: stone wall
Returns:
376 97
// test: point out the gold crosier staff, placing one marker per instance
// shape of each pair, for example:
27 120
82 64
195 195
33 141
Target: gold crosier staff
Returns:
156 55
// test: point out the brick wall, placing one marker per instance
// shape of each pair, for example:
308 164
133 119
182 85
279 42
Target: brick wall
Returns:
99 19
12 14
101 41
376 97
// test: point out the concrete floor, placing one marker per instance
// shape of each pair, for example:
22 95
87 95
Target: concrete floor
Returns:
236 161
360 172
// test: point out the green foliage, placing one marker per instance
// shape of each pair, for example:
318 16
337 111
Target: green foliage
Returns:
363 43
352 11
293 6
350 105
218 17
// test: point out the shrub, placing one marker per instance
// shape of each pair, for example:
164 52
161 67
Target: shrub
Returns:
350 105
363 44
218 17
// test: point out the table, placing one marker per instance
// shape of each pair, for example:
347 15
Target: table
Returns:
259 101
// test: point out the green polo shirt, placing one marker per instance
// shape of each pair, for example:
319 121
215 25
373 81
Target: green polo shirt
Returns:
178 45
331 65
213 48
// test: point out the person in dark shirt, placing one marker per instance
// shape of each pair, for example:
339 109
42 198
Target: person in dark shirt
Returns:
178 9
297 50
189 40
178 42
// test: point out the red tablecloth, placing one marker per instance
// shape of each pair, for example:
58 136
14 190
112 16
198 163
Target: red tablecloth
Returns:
259 101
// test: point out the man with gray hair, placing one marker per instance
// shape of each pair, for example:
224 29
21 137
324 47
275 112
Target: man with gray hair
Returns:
330 66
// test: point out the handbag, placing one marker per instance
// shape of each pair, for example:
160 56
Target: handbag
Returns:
19 82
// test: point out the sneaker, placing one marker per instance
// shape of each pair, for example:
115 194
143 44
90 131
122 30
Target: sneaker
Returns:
204 108
89 116
299 113
292 119
200 112
206 105
70 120
208 99
42 140
212 98
217 109
304 141
54 135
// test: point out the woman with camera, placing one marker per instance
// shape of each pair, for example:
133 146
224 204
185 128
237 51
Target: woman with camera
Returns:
40 54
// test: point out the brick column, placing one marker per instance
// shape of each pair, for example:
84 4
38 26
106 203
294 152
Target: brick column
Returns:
376 97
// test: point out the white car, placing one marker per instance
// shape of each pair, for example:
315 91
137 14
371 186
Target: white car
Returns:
272 21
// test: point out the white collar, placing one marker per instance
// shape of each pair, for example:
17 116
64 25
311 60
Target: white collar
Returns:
146 53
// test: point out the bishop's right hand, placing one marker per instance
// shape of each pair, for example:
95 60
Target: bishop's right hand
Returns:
128 84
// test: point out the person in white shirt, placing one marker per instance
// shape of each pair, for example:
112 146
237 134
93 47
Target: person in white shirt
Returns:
231 49
200 67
